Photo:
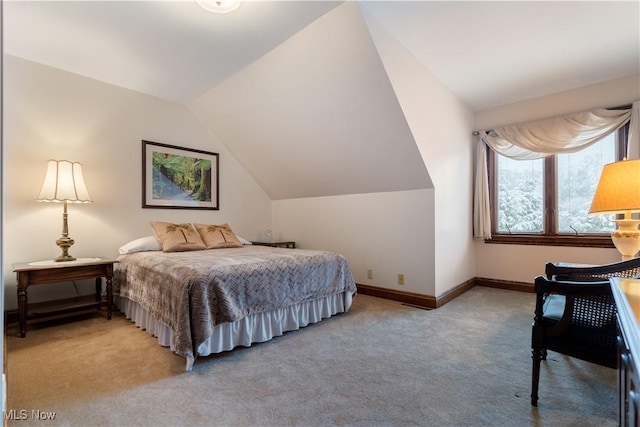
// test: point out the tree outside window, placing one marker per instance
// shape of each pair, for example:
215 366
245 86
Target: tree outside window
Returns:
547 201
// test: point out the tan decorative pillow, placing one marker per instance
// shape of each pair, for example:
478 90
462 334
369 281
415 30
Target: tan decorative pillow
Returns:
218 236
177 237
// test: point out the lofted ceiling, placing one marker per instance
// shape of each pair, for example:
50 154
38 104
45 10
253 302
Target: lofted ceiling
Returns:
174 50
297 88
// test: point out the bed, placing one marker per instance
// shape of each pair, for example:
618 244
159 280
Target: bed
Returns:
208 301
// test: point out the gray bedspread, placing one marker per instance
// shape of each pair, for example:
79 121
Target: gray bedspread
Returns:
191 292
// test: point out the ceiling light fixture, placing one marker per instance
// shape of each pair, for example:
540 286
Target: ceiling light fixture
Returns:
219 6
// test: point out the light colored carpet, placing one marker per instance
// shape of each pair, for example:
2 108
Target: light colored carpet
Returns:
467 363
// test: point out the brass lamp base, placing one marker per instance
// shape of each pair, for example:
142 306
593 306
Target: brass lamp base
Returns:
65 243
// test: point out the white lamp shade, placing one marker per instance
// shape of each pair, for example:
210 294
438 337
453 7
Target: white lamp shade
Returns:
64 182
219 6
618 190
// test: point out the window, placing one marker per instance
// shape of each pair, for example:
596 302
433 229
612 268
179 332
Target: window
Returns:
578 175
547 201
520 195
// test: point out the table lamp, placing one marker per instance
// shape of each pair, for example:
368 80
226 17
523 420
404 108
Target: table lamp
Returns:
618 192
63 182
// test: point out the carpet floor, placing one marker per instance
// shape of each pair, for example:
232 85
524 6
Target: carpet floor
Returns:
383 363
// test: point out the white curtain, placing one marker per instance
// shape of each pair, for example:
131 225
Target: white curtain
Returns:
634 127
481 206
534 140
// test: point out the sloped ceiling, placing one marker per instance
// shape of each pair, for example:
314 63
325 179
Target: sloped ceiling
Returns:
492 53
317 116
296 90
174 50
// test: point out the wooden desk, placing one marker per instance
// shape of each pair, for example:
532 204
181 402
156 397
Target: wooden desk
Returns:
47 272
626 293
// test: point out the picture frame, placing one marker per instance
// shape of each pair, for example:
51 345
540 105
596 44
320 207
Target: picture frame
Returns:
179 178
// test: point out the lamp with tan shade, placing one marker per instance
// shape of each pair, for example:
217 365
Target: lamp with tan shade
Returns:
618 192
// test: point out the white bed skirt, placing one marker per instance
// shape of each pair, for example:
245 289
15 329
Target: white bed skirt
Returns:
259 327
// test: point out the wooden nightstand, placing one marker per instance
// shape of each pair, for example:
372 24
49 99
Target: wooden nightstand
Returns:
47 272
290 245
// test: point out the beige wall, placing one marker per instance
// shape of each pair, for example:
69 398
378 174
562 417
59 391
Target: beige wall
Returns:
441 125
389 233
523 263
612 93
423 234
52 114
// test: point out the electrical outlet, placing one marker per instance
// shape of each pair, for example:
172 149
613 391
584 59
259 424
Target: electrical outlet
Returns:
400 279
369 274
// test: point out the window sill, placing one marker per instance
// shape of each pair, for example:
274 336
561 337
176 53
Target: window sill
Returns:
561 240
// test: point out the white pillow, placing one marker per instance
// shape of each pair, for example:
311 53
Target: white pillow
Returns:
150 243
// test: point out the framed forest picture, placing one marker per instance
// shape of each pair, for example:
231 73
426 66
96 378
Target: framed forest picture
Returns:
179 178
